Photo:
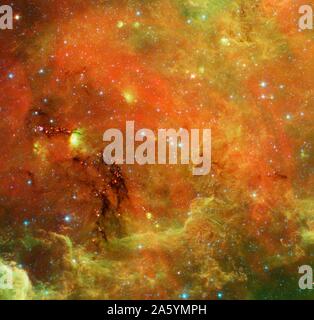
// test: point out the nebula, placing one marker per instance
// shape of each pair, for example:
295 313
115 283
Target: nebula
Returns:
74 227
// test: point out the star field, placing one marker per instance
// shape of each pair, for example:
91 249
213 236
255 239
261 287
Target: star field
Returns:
72 227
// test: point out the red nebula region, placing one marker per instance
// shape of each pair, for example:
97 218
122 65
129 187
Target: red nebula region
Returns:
73 227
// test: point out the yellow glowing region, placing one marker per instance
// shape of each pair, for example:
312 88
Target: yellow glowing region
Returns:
76 138
129 96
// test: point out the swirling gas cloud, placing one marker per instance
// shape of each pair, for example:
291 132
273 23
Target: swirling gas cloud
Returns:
75 228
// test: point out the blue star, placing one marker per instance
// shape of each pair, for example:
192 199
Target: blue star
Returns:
67 218
220 295
26 223
184 296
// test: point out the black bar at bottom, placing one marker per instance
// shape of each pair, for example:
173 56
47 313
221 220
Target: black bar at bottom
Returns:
94 310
